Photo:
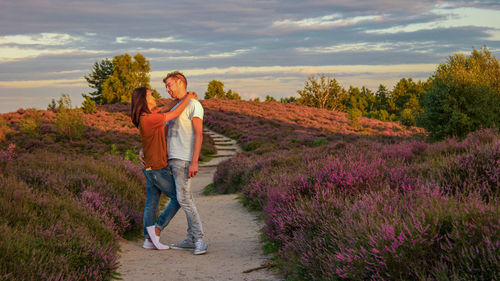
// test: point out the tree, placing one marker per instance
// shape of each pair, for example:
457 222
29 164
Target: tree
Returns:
464 95
363 100
407 96
290 99
215 89
232 95
64 102
101 71
322 92
270 98
127 75
383 100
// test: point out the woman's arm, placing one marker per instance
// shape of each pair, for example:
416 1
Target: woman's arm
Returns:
168 106
178 110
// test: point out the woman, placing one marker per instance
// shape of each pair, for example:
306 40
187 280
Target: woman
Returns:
151 124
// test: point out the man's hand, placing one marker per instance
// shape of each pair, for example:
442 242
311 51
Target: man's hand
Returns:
141 157
193 94
193 169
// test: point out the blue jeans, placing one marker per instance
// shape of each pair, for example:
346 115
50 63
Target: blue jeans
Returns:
159 181
179 171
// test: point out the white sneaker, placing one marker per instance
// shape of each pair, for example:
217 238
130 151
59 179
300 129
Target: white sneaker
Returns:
156 239
148 245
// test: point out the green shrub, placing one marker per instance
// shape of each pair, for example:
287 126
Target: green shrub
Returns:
69 123
4 129
132 156
89 106
31 125
320 142
354 115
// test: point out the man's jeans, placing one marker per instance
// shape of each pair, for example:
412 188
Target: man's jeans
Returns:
159 181
179 170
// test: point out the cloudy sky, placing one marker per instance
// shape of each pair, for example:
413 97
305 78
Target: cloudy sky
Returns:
256 47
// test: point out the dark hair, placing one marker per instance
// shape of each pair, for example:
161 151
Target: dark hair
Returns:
176 75
139 105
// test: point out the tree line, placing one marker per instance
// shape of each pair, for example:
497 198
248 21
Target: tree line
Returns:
462 95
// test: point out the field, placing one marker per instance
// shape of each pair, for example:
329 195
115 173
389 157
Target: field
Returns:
369 202
341 199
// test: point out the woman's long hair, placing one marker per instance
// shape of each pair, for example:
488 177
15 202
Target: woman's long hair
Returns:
139 105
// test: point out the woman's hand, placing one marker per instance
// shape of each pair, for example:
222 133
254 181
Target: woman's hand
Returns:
141 157
193 95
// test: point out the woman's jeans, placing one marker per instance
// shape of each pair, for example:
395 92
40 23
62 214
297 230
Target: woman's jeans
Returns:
159 181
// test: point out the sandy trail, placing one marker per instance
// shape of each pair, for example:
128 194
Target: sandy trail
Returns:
231 232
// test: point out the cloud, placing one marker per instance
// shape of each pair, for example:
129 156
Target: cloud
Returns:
303 70
8 54
213 56
448 16
415 46
126 39
44 39
57 83
328 21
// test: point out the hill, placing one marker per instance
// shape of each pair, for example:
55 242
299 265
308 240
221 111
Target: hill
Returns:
273 125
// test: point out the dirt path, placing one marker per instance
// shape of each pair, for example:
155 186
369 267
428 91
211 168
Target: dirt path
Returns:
231 232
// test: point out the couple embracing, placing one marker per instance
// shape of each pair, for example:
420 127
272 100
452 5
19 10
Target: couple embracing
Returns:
171 144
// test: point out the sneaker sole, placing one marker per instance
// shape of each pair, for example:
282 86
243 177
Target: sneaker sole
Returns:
200 252
180 248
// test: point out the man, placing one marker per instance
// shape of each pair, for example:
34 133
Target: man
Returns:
184 139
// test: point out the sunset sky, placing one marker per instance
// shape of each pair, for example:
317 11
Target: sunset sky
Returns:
256 48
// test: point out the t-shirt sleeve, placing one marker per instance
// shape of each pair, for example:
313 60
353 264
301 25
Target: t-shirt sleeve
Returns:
197 111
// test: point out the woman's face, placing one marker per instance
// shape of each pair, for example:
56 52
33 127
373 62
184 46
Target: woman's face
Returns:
150 100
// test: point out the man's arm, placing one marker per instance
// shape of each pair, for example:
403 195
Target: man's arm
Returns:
198 139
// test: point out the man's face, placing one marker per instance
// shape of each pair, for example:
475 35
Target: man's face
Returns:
172 86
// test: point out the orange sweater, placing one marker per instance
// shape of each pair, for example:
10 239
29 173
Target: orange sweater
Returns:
154 146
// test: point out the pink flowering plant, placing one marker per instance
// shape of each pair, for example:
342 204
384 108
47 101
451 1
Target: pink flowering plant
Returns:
364 205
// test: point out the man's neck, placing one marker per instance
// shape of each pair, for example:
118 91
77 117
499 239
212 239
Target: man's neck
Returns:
182 94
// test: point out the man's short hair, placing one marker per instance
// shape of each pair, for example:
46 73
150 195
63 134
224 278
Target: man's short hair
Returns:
176 75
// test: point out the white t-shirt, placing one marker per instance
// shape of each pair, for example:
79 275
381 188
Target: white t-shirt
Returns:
180 139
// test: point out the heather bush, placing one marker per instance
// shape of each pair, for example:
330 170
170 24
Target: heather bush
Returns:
61 215
478 170
111 177
231 175
382 209
50 237
74 197
421 234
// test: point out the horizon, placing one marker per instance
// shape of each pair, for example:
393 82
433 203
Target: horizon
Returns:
255 48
